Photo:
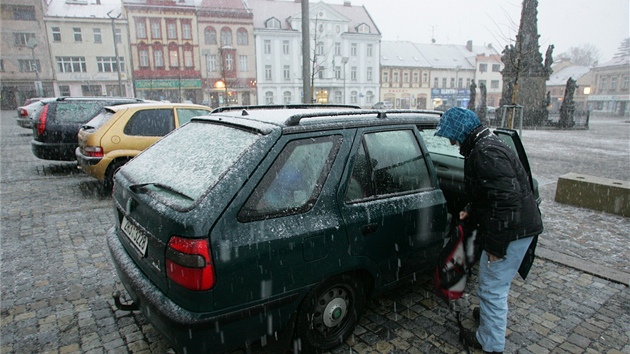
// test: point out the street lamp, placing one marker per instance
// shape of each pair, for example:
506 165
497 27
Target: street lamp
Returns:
32 43
344 61
116 51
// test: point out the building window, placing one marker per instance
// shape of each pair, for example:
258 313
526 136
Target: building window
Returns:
319 48
226 37
242 63
287 97
425 78
368 74
320 73
613 84
268 72
109 64
188 59
285 47
452 82
369 50
21 39
272 23
210 35
467 82
286 73
23 13
229 62
416 78
56 34
482 82
337 96
406 77
267 46
436 82
242 37
337 72
141 29
353 49
144 58
353 73
97 35
494 84
496 68
213 62
173 58
602 84
171 29
483 67
625 84
354 97
443 82
1 65
385 76
395 77
64 90
369 97
71 64
337 48
186 30
77 34
363 28
269 97
28 65
158 57
91 90
156 29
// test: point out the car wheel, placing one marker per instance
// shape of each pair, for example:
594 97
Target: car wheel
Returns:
108 182
329 314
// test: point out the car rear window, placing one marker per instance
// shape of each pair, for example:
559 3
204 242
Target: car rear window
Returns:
100 119
76 112
187 163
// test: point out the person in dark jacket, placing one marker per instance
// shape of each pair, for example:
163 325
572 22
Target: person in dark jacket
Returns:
502 203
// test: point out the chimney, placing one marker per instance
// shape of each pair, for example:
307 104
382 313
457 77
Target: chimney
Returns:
347 3
469 46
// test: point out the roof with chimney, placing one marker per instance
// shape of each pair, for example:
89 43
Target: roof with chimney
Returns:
437 56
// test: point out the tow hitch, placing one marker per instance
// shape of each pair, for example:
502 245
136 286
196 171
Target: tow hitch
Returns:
123 307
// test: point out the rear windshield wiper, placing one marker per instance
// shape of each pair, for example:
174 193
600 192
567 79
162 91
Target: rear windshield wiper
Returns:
135 188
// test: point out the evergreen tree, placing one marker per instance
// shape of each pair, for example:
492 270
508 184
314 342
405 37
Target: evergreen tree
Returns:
624 48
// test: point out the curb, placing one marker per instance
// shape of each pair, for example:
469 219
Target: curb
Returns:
585 266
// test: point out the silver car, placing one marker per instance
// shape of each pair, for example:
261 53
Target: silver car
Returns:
28 113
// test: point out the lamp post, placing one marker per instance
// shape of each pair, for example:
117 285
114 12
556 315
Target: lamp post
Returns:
344 61
116 51
32 43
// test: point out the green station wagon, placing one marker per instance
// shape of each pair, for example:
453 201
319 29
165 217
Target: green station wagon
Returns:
270 226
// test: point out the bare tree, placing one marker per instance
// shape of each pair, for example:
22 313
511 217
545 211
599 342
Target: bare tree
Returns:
585 55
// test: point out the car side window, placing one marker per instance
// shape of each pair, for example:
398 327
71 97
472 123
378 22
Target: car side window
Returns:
389 162
184 115
293 183
150 122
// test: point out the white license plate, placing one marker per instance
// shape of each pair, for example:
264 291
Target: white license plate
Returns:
137 237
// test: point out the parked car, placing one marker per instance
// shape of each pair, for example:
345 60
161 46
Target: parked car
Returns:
55 130
278 225
119 133
382 105
27 113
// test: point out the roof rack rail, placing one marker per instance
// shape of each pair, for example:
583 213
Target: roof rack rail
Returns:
282 106
381 114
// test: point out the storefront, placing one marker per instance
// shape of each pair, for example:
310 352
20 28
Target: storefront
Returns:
446 98
172 90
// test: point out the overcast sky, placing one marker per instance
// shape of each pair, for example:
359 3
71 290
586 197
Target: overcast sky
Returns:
563 23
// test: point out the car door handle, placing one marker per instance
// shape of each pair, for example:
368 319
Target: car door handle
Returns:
369 229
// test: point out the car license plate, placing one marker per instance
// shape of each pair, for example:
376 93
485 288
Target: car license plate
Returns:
137 237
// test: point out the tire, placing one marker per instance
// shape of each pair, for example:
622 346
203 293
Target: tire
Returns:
108 182
329 314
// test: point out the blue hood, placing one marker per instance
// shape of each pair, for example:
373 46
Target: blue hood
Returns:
457 123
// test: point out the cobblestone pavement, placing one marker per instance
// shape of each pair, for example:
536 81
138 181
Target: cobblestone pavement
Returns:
57 278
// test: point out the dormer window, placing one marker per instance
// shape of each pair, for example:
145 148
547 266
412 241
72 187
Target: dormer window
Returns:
272 23
363 28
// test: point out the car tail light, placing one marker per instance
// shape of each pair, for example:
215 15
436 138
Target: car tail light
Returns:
23 113
93 151
41 125
188 263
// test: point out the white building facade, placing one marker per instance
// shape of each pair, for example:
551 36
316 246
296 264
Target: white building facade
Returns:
344 53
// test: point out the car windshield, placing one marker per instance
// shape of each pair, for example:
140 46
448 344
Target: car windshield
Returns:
439 145
100 119
189 162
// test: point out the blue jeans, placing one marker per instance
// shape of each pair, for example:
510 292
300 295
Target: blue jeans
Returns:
493 288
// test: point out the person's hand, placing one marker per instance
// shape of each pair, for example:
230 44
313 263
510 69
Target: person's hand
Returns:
492 258
463 215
